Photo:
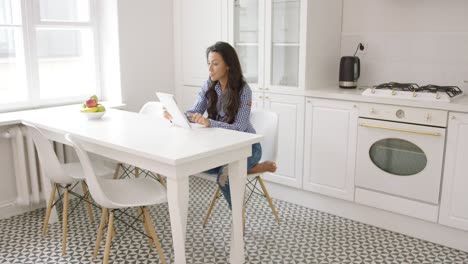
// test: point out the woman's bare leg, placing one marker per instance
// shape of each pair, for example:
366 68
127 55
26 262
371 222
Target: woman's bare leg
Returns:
269 166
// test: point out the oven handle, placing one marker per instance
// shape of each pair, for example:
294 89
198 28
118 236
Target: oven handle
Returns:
401 130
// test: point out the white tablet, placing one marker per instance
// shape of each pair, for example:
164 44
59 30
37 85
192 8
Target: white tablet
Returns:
178 117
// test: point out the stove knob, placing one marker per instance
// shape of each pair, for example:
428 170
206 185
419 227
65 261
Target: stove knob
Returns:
400 113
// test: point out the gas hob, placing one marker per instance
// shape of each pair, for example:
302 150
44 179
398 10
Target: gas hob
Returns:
413 91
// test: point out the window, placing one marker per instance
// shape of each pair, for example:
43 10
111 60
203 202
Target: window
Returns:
47 52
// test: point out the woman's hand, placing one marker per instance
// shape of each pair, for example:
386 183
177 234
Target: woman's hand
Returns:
199 119
167 115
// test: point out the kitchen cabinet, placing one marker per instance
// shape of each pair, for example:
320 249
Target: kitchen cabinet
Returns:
269 40
279 42
454 202
290 110
330 147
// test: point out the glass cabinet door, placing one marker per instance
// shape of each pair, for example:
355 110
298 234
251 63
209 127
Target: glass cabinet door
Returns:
284 42
248 38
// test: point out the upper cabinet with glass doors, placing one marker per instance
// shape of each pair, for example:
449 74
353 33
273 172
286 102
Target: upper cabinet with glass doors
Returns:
272 39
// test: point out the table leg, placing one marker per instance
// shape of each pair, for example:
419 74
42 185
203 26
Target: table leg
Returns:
177 196
237 180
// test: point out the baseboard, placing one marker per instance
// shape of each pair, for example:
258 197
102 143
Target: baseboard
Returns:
432 232
10 209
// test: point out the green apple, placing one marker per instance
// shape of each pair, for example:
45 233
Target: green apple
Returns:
94 97
84 105
101 108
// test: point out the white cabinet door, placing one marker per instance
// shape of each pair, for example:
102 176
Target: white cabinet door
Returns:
290 110
454 203
199 24
330 147
270 38
247 36
285 39
257 100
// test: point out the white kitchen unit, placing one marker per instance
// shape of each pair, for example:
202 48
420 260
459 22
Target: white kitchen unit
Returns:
290 110
330 147
454 202
280 42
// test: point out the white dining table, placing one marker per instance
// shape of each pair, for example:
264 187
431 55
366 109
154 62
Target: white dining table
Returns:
156 145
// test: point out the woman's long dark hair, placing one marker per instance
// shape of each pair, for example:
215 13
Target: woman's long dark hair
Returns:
235 83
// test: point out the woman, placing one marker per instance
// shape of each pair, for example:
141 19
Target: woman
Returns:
227 98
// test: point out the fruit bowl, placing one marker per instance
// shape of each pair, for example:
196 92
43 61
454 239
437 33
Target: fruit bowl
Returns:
93 115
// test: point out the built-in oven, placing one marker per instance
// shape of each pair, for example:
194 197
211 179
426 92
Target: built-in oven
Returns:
400 151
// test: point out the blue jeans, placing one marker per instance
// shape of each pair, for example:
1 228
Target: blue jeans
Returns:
222 172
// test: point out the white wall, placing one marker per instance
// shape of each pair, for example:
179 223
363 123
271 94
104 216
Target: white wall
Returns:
423 41
146 50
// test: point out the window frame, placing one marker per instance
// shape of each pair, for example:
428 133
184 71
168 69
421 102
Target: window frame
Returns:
30 18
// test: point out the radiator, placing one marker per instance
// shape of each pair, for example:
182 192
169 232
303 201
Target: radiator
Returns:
31 186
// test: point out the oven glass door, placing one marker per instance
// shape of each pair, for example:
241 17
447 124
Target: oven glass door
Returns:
398 156
400 159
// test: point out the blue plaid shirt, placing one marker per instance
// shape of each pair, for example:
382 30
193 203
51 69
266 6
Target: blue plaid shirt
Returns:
242 119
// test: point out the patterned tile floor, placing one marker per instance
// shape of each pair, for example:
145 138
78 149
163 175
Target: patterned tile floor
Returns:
303 236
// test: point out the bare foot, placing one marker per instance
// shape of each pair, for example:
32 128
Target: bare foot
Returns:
269 166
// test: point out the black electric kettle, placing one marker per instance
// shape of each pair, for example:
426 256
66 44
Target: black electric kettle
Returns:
350 69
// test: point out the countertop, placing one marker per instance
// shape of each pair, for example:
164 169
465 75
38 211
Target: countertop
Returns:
458 105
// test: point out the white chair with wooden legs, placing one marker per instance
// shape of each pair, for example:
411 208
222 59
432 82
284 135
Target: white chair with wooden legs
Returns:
119 194
266 124
63 177
152 109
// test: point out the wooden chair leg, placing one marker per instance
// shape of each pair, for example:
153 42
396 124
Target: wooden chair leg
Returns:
100 229
49 209
212 203
87 201
110 227
142 219
162 180
150 226
64 221
137 172
116 171
268 198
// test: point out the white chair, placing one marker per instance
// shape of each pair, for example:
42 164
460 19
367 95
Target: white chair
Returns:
118 194
266 124
63 176
153 109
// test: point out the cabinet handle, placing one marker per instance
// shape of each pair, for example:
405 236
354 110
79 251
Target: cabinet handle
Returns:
309 101
266 97
355 106
260 97
266 88
401 130
260 88
453 117
466 81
